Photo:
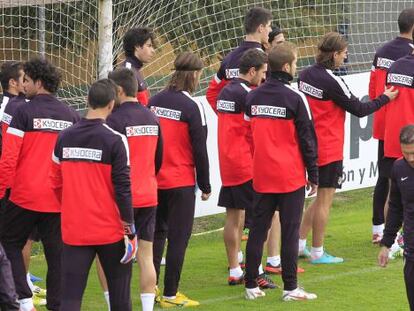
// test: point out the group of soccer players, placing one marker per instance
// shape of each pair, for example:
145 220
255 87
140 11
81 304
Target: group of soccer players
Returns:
121 181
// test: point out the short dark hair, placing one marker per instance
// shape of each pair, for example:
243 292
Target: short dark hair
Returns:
125 78
101 93
329 44
252 58
40 69
136 37
9 70
406 20
407 134
255 17
281 54
275 32
183 78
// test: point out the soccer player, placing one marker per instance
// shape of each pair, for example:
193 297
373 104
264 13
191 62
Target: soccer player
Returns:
8 296
329 98
24 167
142 130
257 27
385 56
185 162
236 158
90 178
401 209
285 149
139 49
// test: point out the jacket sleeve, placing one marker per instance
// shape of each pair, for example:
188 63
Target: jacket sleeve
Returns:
12 144
213 90
307 138
395 213
159 151
341 95
198 136
372 83
121 179
55 174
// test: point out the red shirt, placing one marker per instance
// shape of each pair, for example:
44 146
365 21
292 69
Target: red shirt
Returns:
136 65
142 130
27 146
235 143
400 112
284 137
384 58
329 98
184 132
90 178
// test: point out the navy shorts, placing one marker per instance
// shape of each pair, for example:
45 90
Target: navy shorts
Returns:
239 197
330 175
145 222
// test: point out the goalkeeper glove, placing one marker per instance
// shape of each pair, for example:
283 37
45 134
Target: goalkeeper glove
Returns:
131 243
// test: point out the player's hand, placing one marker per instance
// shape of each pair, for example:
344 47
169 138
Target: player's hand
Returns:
391 92
383 256
205 196
312 187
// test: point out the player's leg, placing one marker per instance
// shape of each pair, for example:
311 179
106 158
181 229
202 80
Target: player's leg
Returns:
8 296
117 275
273 249
263 211
161 230
181 206
409 281
50 234
291 208
17 225
305 228
145 224
76 262
102 281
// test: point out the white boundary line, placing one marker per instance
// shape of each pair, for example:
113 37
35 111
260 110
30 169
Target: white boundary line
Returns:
207 232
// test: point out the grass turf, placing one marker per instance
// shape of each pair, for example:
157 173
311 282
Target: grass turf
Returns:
357 284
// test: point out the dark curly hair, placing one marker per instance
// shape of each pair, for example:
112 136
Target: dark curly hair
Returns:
136 37
39 69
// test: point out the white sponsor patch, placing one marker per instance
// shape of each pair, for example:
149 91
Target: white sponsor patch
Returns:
142 130
384 62
82 153
166 113
400 79
226 105
271 111
50 124
310 90
7 118
232 73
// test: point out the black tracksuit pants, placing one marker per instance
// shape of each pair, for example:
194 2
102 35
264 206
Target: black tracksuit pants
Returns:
290 207
174 222
8 296
380 191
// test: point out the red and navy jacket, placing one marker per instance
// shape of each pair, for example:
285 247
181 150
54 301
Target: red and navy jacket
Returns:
27 146
136 65
384 58
90 177
184 132
5 100
9 110
229 69
235 145
401 207
329 98
142 130
401 112
284 138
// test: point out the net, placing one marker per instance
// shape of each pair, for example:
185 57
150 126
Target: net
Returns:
67 32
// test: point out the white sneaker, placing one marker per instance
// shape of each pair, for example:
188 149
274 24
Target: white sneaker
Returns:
253 293
297 294
162 261
395 251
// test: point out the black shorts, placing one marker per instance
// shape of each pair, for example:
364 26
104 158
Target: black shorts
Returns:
386 167
239 197
330 175
145 222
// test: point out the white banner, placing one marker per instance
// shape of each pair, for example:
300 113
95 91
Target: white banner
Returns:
360 150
